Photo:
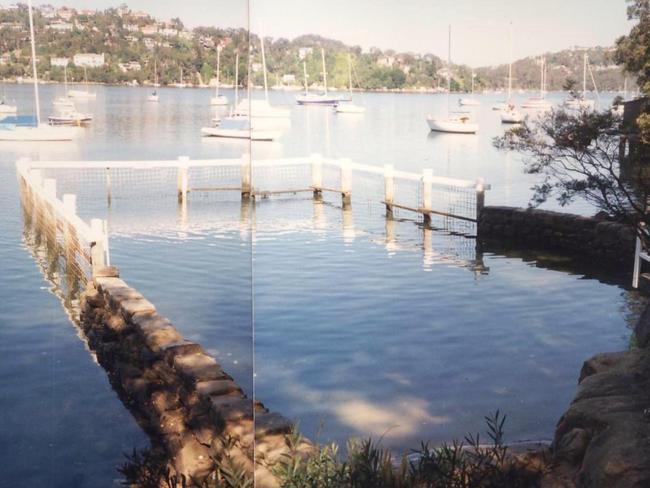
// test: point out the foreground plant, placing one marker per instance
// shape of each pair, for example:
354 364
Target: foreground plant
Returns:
467 464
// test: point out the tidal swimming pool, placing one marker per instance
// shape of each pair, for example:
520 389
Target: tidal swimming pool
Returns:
368 326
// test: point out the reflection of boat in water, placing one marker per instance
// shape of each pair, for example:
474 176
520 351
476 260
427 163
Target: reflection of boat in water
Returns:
239 128
458 124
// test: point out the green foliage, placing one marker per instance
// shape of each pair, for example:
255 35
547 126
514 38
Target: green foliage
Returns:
106 32
633 50
467 464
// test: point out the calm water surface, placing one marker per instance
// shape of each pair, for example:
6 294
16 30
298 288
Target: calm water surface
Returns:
363 326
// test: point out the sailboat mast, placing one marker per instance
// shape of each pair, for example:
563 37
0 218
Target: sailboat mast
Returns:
34 73
236 78
448 68
322 54
584 76
304 71
350 72
266 84
510 67
216 94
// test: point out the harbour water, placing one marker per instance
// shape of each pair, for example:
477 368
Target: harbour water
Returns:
363 326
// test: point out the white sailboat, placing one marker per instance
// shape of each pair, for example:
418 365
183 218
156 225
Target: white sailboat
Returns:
64 102
582 102
38 132
154 94
181 83
539 103
218 100
470 101
349 107
83 94
238 126
256 108
461 124
317 98
511 115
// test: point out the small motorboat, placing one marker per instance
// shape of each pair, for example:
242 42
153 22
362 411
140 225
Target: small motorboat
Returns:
468 102
458 125
153 97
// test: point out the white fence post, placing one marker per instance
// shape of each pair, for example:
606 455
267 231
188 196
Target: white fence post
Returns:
389 186
480 197
97 247
183 179
346 180
317 174
427 203
246 169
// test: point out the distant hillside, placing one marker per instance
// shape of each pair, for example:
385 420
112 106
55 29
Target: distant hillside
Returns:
560 66
133 43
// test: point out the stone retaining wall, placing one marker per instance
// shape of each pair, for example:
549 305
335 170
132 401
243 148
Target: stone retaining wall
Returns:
603 439
184 399
543 229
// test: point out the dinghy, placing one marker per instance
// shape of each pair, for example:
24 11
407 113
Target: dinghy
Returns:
349 107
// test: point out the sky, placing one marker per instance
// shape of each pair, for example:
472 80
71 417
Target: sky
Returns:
479 27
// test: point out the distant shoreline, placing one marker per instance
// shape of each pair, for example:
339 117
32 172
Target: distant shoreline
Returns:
430 91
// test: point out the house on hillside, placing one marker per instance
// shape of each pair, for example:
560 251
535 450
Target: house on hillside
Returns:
59 62
60 26
65 13
89 60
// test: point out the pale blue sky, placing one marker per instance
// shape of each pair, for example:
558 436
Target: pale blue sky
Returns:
479 27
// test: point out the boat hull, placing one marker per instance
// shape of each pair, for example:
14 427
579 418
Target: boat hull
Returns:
41 133
511 117
253 135
317 100
218 101
452 126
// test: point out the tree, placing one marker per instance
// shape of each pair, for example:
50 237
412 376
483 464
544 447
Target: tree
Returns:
633 50
577 154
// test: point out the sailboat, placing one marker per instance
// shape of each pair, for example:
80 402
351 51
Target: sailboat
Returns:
457 124
349 108
238 126
471 101
539 103
181 84
64 101
14 130
261 108
317 98
218 99
154 94
83 94
511 115
582 102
